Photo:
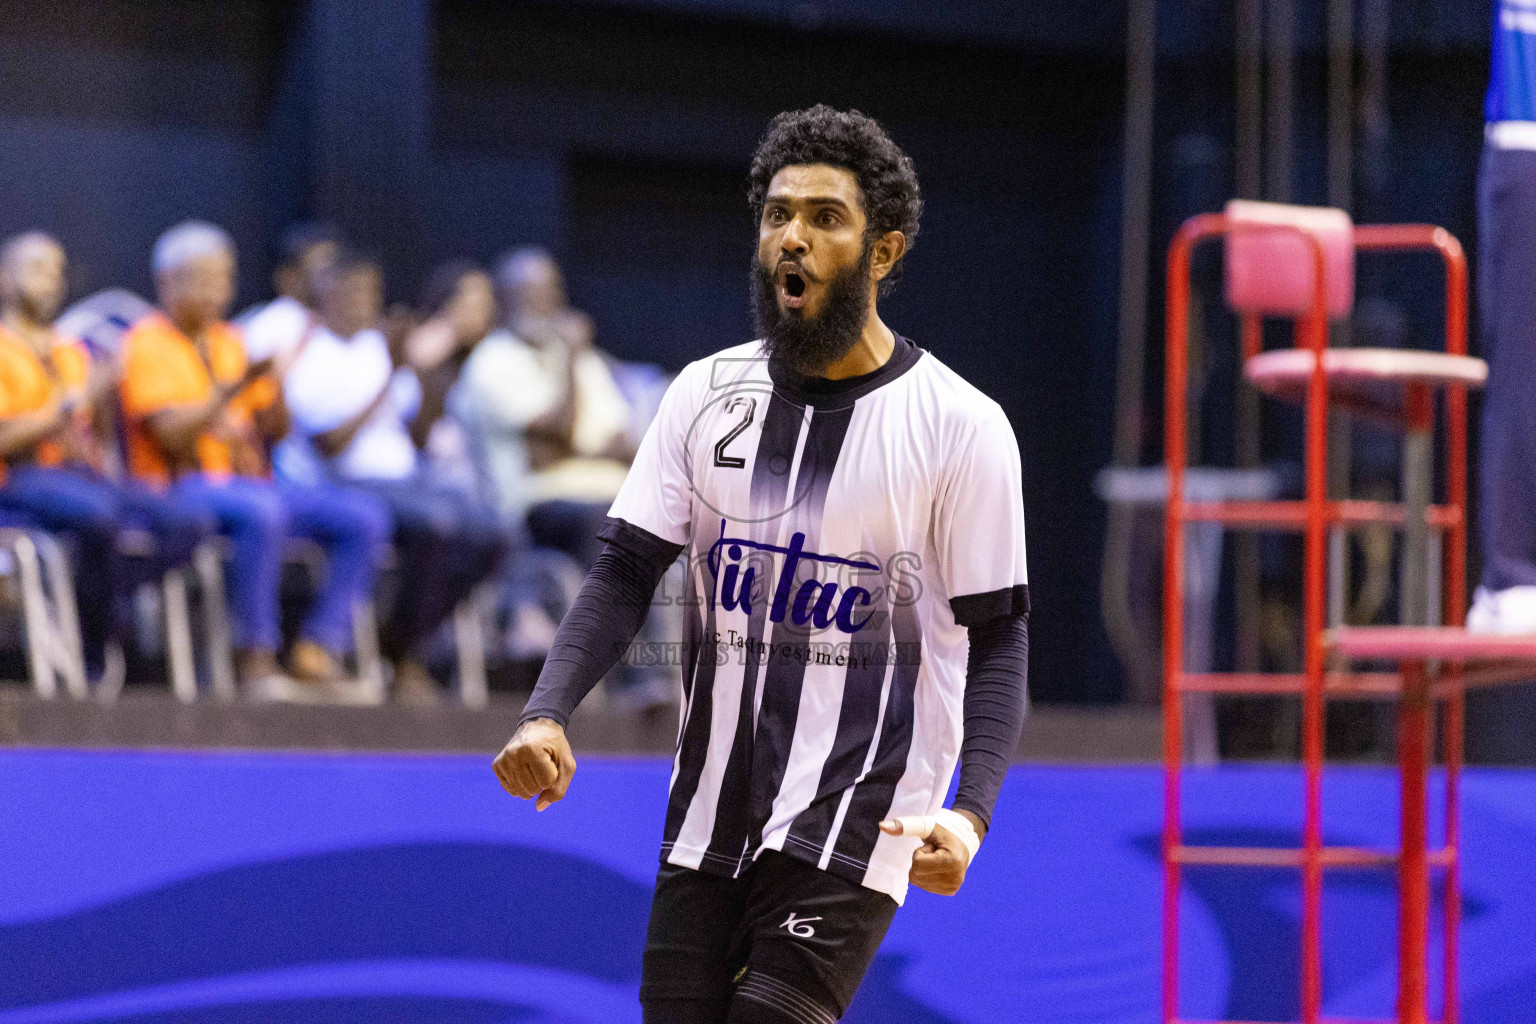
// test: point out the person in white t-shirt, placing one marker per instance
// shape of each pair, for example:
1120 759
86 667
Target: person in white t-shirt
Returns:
277 328
552 434
549 424
353 405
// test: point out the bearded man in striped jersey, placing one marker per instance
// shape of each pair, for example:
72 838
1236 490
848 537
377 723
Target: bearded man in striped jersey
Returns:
859 607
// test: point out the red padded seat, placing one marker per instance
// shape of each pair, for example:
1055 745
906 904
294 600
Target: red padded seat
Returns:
1270 272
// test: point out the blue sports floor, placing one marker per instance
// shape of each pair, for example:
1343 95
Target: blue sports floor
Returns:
164 888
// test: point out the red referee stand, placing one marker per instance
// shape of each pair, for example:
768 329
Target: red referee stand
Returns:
1297 263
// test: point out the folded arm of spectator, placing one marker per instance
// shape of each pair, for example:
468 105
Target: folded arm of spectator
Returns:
177 429
21 433
557 426
88 431
502 388
273 421
101 384
331 443
338 387
429 351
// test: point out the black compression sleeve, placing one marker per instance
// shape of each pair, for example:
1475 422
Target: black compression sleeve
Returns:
604 618
996 690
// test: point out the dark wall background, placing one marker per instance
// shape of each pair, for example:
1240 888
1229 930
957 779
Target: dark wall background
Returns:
618 134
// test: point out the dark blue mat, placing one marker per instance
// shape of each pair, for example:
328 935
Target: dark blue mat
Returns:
257 889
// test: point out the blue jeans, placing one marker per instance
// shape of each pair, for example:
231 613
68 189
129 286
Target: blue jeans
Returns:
259 517
90 511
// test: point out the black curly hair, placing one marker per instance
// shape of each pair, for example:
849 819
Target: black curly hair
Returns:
821 135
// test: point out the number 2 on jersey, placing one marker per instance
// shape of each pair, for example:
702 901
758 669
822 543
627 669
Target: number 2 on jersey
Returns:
748 406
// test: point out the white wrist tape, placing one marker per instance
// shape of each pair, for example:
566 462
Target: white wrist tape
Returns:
921 826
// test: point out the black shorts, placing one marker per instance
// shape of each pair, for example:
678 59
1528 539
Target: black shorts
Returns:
782 924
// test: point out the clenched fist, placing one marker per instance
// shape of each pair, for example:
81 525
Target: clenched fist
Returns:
536 762
940 864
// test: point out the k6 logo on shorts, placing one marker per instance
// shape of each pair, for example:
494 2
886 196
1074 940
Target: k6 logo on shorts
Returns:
799 927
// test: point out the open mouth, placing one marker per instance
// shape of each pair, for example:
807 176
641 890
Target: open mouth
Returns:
791 288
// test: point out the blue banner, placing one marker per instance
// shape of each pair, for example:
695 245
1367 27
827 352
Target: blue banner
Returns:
168 888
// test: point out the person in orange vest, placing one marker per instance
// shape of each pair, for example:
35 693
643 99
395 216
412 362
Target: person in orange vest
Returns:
200 416
52 397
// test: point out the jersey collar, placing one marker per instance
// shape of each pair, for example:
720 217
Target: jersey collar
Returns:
832 394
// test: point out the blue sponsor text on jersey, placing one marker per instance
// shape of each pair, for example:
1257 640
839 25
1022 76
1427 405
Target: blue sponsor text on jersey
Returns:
813 600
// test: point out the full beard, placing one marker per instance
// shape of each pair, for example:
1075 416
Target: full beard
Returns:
808 345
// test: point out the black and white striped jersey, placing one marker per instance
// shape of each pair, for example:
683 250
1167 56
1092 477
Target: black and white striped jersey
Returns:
841 536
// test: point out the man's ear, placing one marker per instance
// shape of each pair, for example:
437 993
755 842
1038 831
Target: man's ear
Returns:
886 253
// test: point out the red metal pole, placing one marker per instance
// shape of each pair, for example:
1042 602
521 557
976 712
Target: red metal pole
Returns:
1456 424
1413 867
1174 454
1315 330
1455 606
1176 457
1426 236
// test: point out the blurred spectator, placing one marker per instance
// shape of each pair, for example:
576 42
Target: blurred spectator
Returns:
193 404
552 431
354 403
459 304
458 307
547 420
50 394
278 328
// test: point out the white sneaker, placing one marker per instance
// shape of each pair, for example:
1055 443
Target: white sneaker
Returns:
1508 612
273 688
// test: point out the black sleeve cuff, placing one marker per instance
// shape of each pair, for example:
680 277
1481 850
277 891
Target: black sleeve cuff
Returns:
973 609
652 550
